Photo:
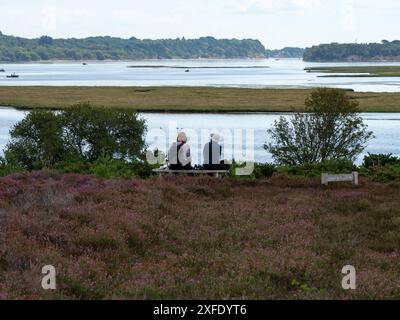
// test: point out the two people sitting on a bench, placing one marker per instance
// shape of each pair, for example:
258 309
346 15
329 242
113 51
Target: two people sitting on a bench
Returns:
179 156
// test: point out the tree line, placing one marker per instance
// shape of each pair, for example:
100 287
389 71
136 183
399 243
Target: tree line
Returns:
287 52
385 50
17 49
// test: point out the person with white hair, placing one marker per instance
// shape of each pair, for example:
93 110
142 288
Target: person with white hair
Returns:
212 153
179 157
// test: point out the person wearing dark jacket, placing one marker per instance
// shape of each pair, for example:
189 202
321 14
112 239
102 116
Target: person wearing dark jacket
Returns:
212 153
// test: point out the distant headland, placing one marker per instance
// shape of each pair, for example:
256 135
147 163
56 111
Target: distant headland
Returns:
45 48
353 52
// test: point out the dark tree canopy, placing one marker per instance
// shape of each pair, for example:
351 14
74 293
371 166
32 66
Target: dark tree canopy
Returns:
331 129
354 52
45 40
287 52
81 132
13 49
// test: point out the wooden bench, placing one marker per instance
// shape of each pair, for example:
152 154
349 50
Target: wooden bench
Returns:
214 173
351 177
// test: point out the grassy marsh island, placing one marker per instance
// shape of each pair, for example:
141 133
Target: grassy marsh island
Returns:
359 71
182 99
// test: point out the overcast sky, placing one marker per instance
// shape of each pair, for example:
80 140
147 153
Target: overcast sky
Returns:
277 23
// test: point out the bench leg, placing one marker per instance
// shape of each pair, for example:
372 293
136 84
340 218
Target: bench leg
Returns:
355 178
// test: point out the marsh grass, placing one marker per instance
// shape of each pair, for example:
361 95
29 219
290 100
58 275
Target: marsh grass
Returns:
361 71
182 99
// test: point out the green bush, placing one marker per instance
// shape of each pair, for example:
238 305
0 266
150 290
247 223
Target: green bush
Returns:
330 129
36 141
91 133
377 160
261 170
108 168
7 168
73 166
315 169
264 170
387 173
82 133
143 169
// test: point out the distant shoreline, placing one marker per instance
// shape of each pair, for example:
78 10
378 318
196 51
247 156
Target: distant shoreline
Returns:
354 52
4 63
357 71
133 61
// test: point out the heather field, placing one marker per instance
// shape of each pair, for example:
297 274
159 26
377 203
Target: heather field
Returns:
183 238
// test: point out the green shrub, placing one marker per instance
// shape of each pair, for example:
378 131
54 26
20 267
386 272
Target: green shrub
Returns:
44 138
264 170
91 133
315 169
73 166
387 173
330 129
108 168
143 169
377 160
7 168
36 141
261 170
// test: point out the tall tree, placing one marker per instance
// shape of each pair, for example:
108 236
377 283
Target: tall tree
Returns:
331 128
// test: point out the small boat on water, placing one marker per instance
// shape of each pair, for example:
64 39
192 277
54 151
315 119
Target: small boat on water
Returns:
2 70
84 63
187 70
13 75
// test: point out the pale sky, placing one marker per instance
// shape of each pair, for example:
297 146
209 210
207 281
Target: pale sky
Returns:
277 23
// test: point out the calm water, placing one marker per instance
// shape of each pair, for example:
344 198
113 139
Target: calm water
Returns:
284 73
163 128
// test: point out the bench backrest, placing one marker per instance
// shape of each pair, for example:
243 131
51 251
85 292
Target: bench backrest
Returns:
351 177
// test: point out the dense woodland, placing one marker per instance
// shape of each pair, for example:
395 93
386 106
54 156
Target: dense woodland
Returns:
16 49
287 52
386 50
